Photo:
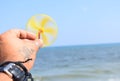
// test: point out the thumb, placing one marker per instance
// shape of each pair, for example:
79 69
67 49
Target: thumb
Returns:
38 43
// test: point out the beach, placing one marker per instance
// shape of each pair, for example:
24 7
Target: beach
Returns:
78 63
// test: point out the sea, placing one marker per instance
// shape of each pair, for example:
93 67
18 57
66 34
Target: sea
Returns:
78 63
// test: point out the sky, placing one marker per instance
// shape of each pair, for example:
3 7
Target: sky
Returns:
80 22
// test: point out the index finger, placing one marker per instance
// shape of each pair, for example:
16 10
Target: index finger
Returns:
22 34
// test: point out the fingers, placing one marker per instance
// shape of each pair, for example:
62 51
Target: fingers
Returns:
22 34
26 35
38 43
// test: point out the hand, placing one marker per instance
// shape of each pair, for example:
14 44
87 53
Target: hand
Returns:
19 45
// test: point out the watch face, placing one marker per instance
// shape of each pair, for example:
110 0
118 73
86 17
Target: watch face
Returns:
14 71
7 69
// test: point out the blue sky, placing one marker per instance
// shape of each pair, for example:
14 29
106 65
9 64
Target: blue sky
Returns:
80 21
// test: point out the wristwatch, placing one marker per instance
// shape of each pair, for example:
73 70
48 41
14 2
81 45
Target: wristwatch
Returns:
14 71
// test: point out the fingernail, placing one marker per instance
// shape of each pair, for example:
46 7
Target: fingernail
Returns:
37 44
41 41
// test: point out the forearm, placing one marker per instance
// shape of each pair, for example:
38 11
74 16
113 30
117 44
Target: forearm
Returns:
5 77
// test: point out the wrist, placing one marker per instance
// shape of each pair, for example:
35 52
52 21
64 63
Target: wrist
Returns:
27 65
4 77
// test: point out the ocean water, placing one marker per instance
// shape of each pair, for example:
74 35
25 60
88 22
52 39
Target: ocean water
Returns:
78 63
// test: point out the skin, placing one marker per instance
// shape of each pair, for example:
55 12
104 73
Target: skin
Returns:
18 45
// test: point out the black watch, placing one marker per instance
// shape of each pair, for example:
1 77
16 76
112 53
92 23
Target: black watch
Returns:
14 71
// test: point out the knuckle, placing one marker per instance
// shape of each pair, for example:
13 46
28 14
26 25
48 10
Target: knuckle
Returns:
12 30
2 36
6 35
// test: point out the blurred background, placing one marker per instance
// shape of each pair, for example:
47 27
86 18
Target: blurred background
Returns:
79 21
